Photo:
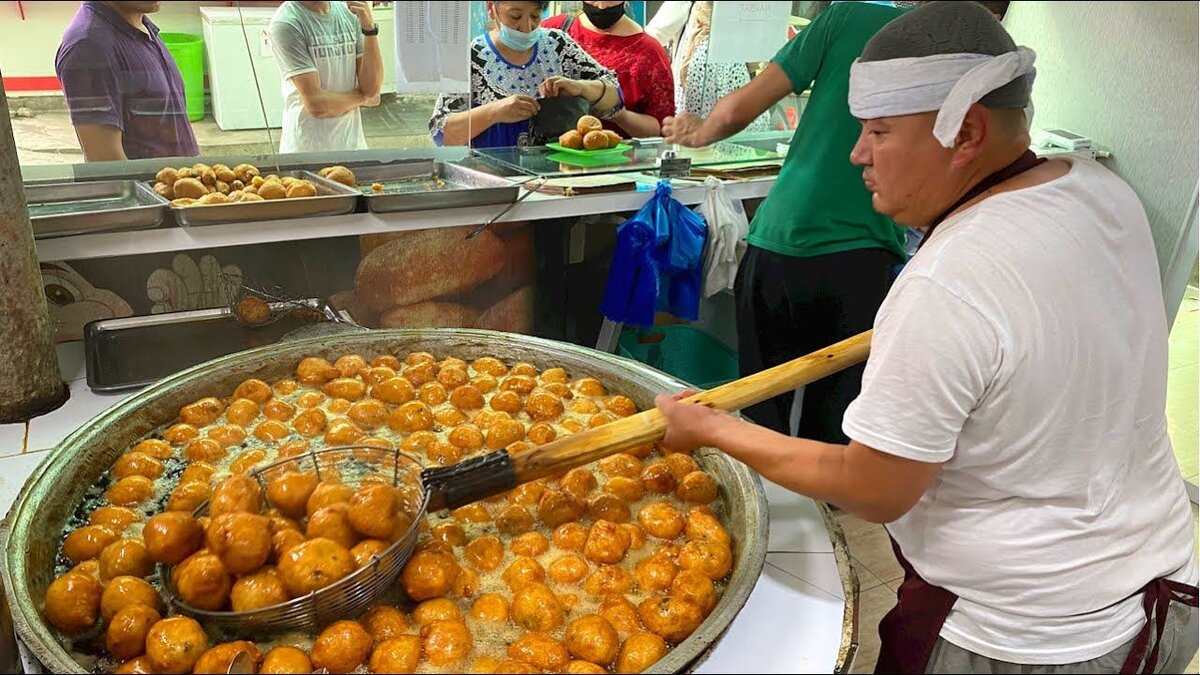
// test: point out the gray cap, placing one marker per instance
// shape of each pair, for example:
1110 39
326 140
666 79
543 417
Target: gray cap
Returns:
951 28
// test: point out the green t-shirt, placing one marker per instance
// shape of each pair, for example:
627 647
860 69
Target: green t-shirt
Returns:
819 204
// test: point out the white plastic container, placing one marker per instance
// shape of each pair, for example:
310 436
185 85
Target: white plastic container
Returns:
232 70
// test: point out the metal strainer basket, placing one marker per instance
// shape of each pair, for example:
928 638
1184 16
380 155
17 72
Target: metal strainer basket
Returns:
351 595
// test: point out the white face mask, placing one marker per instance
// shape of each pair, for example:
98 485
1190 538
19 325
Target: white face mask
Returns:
519 40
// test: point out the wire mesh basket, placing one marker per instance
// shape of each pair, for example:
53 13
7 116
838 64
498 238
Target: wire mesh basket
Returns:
353 594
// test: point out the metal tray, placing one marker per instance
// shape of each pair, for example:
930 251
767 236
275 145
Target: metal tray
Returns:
333 199
429 184
136 351
62 209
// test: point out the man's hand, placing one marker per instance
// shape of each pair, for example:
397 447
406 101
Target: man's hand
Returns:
682 129
560 86
362 10
690 426
516 108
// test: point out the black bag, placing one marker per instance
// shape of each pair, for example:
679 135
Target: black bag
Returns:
557 115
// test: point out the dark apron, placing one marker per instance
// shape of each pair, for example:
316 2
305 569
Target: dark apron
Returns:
909 632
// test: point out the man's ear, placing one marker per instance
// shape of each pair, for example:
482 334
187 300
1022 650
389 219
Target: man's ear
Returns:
972 137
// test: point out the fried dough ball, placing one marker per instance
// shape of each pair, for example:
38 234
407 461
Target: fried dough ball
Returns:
595 140
639 652
202 581
489 365
401 654
504 432
514 520
541 651
520 384
621 406
466 584
385 623
451 377
490 607
467 397
569 568
584 406
655 574
673 619
366 550
571 426
125 557
523 571
87 543
484 383
342 647
264 588
410 417
245 172
471 513
137 464
600 419
236 494
313 565
697 487
579 481
609 507
122 592
695 587
530 544
506 401
289 492
526 494
188 496
333 522
437 609
606 543
218 660
310 422
204 450
73 602
429 574
326 494
188 188
167 175
571 139
201 472
342 431
310 399
90 568
589 386
283 660
444 454
370 413
246 461
115 518
130 491
637 536
709 558
340 174
446 643
272 190
174 644
139 666
373 511
536 608
608 579
542 406
628 489
485 553
125 637
450 532
556 508
661 519
468 437
658 478
592 638
242 411
301 188
620 613
313 370
621 464
349 388
587 124
570 536
542 433
702 524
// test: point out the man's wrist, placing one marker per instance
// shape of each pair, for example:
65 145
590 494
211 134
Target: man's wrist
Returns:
371 30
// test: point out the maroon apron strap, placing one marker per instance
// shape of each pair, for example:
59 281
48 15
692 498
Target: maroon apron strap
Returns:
1156 599
908 633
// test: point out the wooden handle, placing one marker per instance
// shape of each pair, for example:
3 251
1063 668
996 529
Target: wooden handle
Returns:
649 426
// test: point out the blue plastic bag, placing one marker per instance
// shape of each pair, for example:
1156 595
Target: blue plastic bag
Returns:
658 263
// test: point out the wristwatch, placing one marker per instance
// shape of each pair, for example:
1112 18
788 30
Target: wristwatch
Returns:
373 30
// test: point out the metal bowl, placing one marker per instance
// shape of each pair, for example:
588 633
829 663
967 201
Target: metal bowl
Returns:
49 497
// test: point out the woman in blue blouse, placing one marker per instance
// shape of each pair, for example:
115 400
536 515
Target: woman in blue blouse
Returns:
514 66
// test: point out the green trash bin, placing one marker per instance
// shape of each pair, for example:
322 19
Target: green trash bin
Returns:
188 52
684 351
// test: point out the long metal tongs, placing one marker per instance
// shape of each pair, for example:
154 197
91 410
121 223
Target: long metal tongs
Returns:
540 180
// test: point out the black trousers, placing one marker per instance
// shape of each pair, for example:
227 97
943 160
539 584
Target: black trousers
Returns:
788 307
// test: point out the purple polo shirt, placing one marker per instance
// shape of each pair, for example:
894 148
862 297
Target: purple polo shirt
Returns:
115 75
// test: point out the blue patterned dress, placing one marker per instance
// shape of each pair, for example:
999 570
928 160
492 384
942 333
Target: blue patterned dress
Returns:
493 79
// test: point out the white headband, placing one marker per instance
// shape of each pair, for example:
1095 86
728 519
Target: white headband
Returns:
948 83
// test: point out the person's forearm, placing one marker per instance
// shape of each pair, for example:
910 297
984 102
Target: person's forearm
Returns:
637 125
725 120
370 70
461 127
601 95
333 104
823 471
102 153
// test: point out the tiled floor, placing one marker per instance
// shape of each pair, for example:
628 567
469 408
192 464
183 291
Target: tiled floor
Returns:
878 573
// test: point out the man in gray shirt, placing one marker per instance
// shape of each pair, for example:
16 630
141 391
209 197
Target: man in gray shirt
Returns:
329 59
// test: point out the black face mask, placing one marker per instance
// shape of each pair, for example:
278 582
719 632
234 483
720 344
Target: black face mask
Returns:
604 18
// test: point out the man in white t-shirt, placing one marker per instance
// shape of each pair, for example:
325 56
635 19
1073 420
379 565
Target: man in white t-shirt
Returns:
329 60
1011 428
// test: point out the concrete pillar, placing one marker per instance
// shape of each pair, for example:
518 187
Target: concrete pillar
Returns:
30 382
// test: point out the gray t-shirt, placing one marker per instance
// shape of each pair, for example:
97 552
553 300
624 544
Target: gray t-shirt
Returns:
330 45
